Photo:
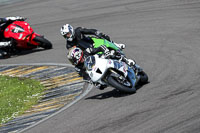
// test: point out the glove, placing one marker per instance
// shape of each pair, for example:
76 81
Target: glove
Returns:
107 54
118 55
87 52
106 51
130 62
120 45
19 18
137 68
101 35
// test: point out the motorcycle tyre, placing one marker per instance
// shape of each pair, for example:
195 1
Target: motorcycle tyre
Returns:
44 43
112 81
143 78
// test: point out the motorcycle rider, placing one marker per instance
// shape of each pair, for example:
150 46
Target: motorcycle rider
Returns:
77 36
4 22
76 56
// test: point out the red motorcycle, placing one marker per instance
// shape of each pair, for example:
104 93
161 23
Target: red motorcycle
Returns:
24 37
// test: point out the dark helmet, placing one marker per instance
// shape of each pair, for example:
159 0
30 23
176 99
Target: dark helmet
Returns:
75 55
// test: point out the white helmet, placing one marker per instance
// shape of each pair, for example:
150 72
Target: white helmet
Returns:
67 32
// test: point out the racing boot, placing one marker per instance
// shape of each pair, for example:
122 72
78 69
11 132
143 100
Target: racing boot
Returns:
100 86
120 45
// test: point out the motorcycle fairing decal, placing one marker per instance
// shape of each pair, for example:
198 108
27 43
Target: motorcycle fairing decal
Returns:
94 68
29 28
20 36
117 65
121 66
91 74
98 71
109 62
17 29
89 63
7 29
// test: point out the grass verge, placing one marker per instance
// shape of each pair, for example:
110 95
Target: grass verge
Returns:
17 95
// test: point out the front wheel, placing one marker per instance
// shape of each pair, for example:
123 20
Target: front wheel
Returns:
113 81
44 43
4 54
143 78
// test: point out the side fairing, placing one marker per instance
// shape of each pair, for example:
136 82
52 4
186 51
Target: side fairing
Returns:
17 30
98 42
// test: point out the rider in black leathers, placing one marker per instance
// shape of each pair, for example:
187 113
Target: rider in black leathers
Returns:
77 37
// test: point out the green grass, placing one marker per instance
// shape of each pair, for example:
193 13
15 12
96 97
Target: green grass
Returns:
17 95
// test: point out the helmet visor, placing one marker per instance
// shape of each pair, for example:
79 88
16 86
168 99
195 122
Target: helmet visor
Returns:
68 35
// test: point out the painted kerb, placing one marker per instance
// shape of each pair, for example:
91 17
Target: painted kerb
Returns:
63 88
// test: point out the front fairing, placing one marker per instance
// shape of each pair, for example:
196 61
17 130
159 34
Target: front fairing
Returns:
22 33
17 30
96 67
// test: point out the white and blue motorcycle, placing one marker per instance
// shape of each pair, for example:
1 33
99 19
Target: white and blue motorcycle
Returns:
115 73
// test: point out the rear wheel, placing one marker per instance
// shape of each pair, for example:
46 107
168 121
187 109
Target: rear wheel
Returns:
125 87
44 43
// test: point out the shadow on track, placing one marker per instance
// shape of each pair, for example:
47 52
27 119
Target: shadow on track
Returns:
23 52
113 93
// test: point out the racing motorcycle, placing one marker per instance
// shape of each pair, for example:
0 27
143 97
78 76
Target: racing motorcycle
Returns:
24 37
113 72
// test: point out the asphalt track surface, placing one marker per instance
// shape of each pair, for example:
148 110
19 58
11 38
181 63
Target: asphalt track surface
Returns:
163 36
